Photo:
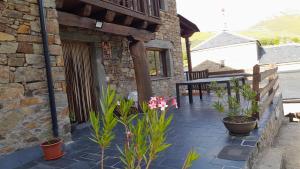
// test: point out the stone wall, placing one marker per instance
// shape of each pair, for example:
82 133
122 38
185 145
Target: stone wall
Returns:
170 31
24 108
25 118
269 126
118 67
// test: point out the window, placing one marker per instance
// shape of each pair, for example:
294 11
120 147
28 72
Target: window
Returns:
157 63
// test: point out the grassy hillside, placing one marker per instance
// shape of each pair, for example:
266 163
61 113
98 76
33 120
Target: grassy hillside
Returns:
199 37
279 26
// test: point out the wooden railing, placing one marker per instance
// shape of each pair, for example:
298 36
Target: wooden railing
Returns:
206 74
196 75
265 84
227 72
147 7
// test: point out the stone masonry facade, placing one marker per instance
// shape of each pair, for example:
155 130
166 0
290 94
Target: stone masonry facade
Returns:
25 118
24 107
170 31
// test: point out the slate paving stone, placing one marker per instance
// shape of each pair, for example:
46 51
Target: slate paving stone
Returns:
249 143
111 161
43 166
231 167
172 162
61 163
235 153
81 165
195 126
90 157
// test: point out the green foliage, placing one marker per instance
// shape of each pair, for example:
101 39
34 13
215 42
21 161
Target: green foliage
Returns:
270 41
128 157
158 124
108 104
145 135
104 135
191 157
126 117
230 105
72 117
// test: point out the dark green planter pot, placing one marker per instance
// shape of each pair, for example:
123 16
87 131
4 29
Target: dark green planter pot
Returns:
239 128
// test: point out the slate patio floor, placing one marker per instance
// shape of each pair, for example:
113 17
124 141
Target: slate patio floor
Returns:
196 125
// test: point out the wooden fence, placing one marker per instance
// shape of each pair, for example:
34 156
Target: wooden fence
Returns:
265 84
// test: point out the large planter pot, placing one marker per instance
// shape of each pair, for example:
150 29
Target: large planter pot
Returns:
52 149
239 125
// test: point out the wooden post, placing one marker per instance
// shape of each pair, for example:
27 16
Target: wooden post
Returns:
255 86
143 81
188 52
271 78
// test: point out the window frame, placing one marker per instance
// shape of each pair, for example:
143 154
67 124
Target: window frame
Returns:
163 63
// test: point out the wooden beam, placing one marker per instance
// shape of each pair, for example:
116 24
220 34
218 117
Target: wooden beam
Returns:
122 10
188 53
143 81
268 73
59 4
142 25
86 10
263 91
68 19
110 16
128 20
154 27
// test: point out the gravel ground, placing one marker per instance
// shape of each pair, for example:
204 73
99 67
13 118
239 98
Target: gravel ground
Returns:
288 141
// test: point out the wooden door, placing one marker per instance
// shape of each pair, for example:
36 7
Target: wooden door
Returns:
80 82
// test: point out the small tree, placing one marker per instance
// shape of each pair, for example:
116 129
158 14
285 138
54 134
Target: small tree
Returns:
145 136
103 135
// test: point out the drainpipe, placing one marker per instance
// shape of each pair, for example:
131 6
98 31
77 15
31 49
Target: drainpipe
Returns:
48 69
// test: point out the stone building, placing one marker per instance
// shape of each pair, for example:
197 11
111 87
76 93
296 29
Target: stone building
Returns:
103 56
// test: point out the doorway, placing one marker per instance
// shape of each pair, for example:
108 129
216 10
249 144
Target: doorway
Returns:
80 80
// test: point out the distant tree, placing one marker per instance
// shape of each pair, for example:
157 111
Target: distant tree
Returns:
296 40
270 41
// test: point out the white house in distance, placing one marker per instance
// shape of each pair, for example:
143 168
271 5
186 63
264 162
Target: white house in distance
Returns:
226 51
287 58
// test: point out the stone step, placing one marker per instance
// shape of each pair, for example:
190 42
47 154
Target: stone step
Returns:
271 159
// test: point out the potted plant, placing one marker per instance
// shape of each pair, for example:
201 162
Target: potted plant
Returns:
52 149
238 120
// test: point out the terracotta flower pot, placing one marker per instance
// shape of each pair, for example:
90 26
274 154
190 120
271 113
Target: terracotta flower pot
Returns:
52 149
239 125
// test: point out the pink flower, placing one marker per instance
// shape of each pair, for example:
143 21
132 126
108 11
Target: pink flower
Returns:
162 105
154 99
129 134
152 104
174 103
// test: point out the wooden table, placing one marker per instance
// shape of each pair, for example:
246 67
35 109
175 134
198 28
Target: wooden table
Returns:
199 82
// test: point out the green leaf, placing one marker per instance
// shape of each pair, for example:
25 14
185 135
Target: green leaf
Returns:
191 157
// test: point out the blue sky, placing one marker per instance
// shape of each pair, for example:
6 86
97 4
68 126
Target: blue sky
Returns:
239 14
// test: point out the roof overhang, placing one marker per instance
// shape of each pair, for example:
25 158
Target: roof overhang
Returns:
187 28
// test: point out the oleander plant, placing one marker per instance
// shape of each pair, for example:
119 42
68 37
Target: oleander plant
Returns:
145 133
